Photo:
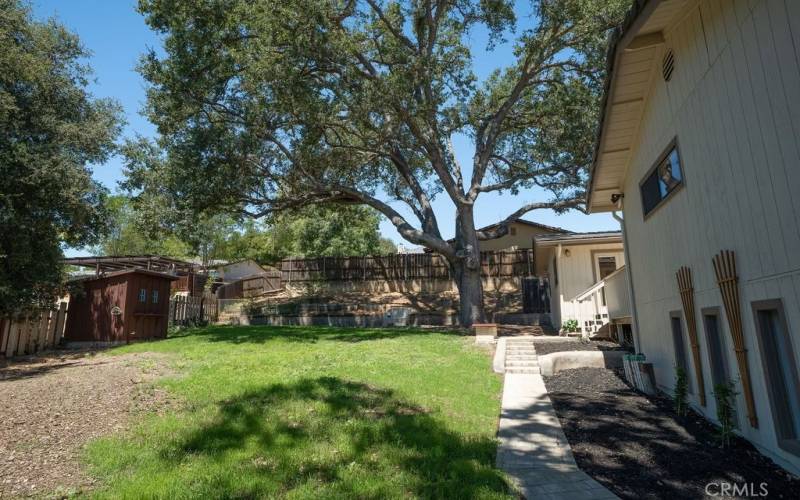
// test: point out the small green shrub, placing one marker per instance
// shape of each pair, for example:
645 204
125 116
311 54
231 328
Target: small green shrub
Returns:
681 391
725 396
570 325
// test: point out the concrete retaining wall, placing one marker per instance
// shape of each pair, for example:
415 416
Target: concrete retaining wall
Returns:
551 364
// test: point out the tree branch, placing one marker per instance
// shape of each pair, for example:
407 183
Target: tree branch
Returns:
501 228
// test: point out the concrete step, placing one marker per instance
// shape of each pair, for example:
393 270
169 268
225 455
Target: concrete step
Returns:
522 365
521 350
529 370
534 359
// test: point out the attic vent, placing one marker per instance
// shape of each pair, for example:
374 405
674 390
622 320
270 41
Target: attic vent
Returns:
669 65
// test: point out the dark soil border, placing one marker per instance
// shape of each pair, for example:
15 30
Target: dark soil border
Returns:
639 448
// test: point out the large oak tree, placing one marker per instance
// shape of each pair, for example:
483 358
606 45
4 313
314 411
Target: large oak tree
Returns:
51 130
268 105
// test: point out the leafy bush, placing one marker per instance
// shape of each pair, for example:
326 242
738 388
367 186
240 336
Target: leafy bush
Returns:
725 396
681 391
570 326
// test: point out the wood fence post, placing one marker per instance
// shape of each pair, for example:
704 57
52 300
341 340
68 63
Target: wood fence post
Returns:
61 323
5 326
13 337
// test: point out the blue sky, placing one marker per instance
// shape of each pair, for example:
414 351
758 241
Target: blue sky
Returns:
117 35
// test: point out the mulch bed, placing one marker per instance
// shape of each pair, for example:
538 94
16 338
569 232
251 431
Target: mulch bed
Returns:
51 405
638 448
550 346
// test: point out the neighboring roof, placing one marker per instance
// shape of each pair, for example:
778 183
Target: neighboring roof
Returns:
109 263
544 240
520 221
638 39
527 223
124 272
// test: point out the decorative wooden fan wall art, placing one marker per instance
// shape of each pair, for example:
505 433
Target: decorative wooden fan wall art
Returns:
728 280
686 289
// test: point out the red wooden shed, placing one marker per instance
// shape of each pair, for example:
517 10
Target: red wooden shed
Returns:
122 306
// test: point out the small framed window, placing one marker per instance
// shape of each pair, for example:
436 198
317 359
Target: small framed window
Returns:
512 231
780 371
143 295
155 296
662 180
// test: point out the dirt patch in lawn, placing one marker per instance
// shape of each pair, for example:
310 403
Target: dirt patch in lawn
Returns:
638 448
550 346
51 405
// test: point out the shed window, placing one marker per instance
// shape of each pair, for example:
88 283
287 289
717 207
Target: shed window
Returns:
155 296
512 231
780 370
662 180
143 295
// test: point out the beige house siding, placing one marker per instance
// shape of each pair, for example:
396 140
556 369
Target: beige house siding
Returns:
734 106
576 273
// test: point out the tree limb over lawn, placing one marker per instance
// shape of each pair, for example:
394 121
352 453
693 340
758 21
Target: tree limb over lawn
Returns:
264 106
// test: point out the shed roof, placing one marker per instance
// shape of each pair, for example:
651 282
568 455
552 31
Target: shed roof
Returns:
108 263
123 272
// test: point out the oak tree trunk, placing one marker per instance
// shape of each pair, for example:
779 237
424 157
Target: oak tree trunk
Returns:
467 269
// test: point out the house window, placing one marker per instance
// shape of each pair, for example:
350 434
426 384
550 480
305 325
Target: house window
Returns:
512 231
680 347
143 295
780 370
664 179
155 296
716 349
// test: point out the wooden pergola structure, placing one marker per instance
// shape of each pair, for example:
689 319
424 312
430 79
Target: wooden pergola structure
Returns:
111 263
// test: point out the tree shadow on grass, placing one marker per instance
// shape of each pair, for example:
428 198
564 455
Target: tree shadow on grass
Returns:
333 437
309 334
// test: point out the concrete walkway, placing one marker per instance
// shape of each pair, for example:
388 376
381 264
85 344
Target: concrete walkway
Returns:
533 450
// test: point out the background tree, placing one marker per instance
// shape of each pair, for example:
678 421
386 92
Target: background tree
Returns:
51 129
325 231
264 106
126 235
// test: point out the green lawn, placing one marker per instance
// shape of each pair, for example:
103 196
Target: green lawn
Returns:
304 412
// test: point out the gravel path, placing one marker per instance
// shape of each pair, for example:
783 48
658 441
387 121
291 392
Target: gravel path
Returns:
51 406
639 449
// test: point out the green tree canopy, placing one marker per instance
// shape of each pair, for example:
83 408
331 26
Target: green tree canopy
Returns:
325 231
127 236
51 130
264 106
318 231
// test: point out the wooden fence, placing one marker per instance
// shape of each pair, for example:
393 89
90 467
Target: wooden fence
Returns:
510 263
249 287
188 310
33 333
